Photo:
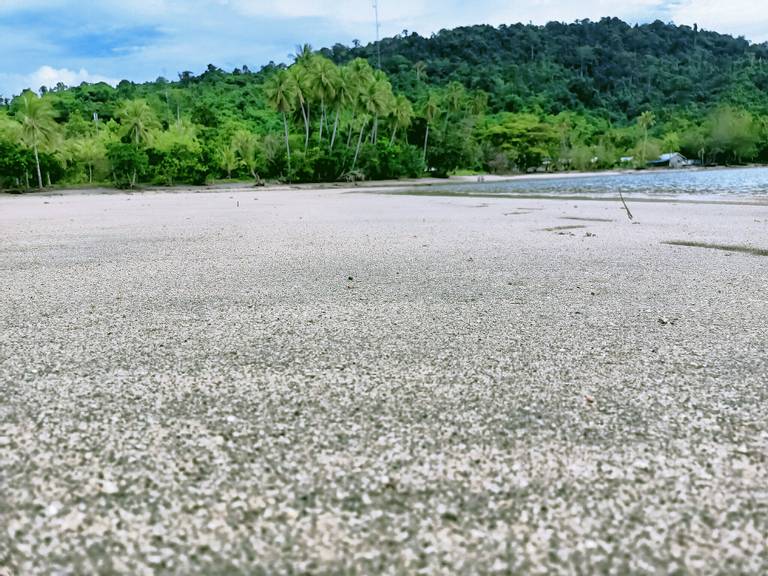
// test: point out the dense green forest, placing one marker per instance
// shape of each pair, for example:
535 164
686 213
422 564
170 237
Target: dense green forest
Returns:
509 99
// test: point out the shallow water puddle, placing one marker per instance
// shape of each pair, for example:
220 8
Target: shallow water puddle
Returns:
725 247
585 219
559 228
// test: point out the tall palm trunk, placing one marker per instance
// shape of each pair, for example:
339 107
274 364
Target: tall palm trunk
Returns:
287 144
426 139
394 131
335 128
375 129
136 140
322 118
349 136
37 166
305 116
645 146
359 143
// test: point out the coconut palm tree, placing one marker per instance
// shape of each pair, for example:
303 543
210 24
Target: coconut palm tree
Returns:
90 151
345 97
247 146
454 98
645 121
479 103
431 110
138 121
228 159
403 115
360 74
421 70
38 125
300 75
379 100
361 77
362 120
281 93
324 80
303 54
270 145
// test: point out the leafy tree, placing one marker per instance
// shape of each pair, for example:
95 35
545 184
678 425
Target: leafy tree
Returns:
15 163
10 129
180 163
733 134
128 163
524 138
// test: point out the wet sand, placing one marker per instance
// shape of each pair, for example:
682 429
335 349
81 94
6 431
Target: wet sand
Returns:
309 380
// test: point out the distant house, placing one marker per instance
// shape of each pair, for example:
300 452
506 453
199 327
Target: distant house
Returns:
627 159
670 160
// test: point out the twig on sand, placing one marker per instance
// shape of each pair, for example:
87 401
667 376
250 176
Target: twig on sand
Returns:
629 214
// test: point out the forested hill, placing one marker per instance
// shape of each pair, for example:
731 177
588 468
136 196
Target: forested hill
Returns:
580 96
607 66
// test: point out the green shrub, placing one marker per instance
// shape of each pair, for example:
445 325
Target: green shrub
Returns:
129 164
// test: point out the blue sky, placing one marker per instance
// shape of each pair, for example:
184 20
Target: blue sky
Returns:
43 42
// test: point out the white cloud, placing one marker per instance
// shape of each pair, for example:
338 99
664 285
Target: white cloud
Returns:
49 76
747 18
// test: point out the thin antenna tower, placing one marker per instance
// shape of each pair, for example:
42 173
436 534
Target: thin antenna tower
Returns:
378 28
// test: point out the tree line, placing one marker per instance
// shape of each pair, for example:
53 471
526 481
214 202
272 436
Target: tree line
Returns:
438 105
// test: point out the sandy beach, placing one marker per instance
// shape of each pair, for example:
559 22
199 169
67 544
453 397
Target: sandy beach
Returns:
318 381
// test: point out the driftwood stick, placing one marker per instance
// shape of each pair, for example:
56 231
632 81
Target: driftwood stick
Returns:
629 214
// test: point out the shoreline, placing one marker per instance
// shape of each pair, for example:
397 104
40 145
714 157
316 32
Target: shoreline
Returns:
372 185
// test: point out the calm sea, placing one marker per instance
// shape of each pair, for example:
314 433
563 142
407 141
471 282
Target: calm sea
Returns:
710 184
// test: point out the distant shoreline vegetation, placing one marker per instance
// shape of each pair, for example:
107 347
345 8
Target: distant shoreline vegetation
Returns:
521 98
